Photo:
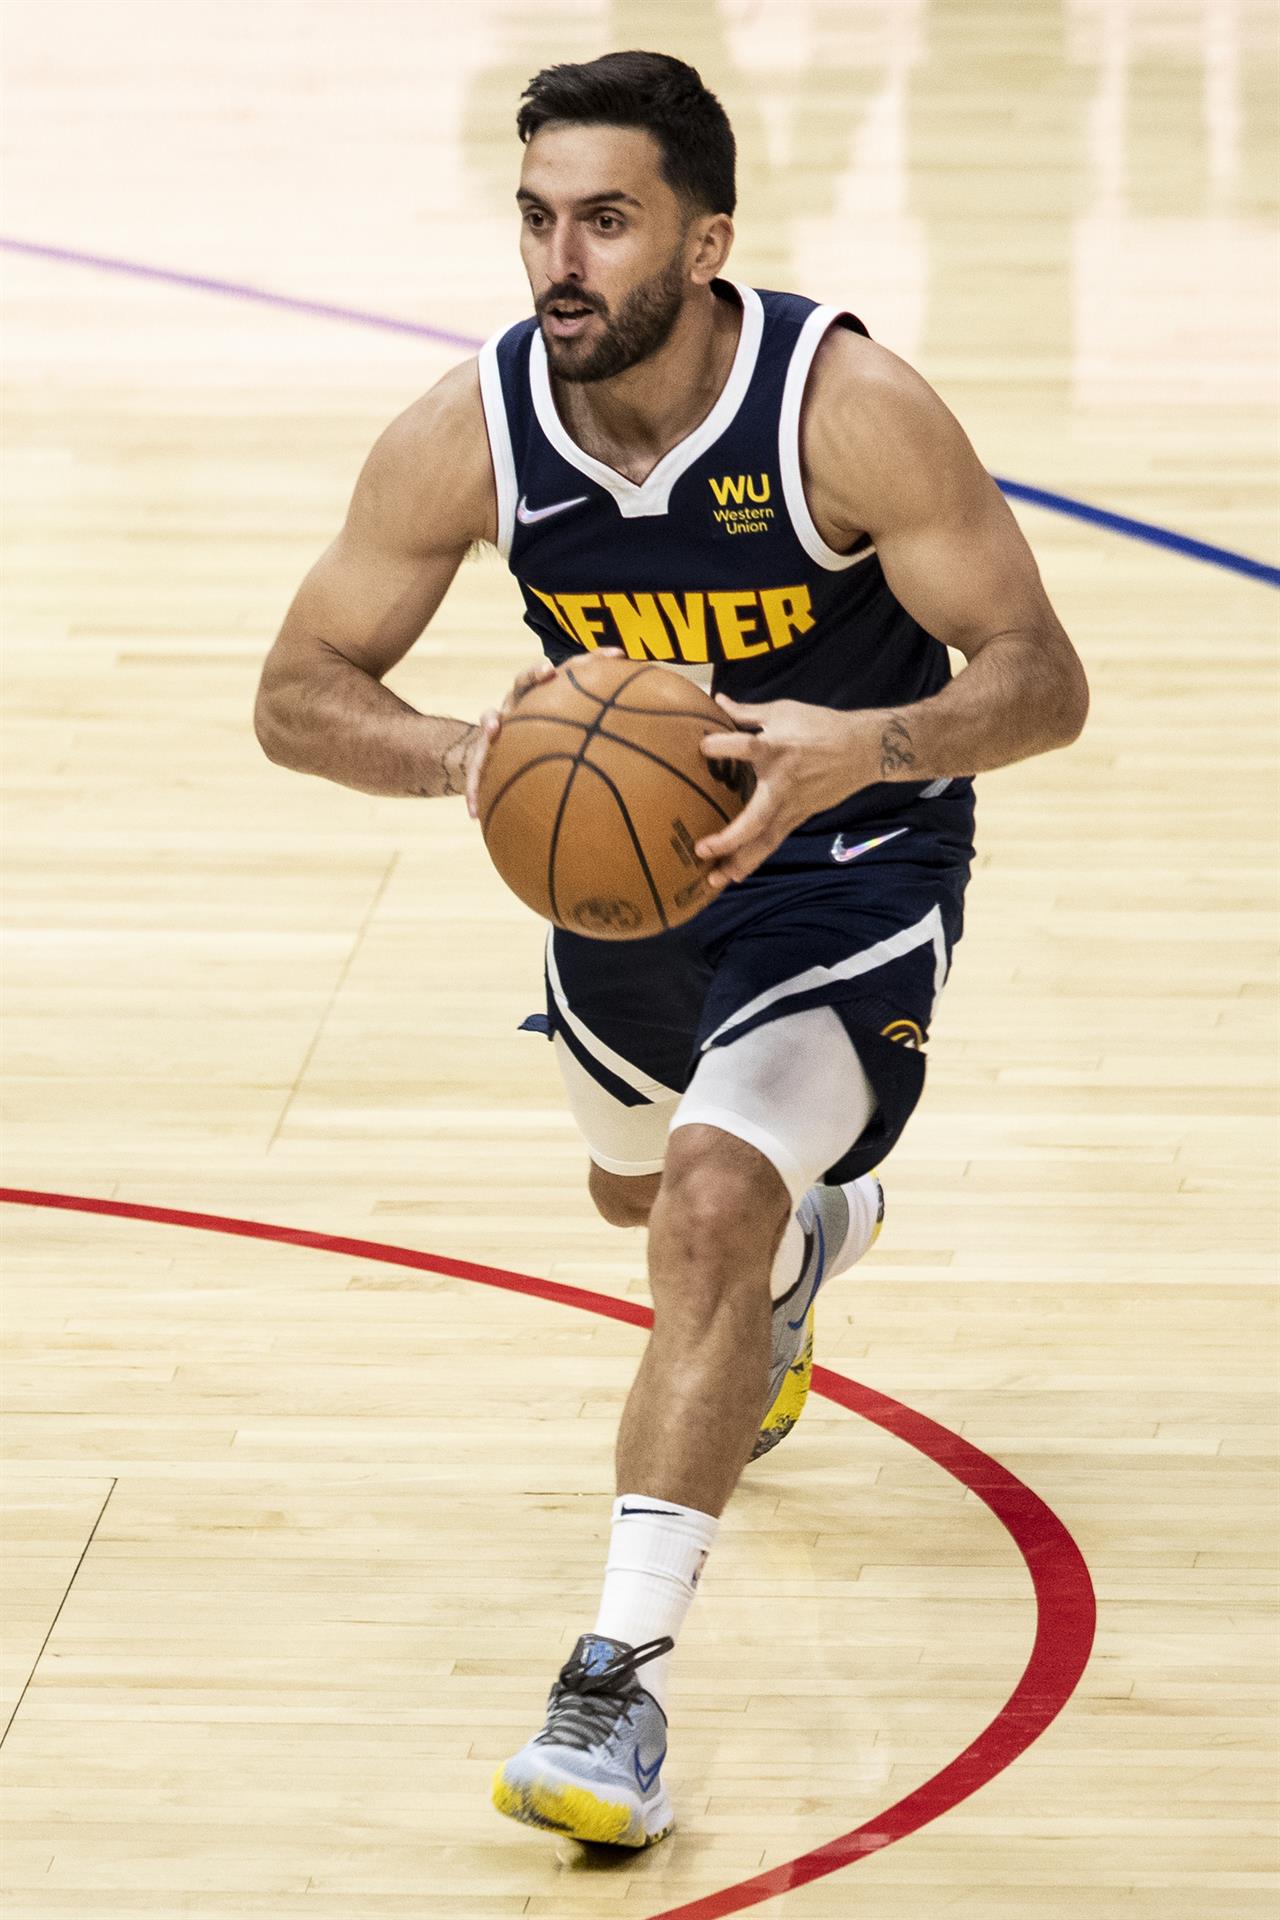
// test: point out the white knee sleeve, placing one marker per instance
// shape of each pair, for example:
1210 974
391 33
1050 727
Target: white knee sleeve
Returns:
794 1089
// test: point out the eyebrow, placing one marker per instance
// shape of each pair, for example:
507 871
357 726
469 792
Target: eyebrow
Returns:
614 195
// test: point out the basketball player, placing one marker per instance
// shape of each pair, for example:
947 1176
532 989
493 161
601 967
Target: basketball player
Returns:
744 485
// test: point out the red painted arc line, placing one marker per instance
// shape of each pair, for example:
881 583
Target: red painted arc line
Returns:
1065 1605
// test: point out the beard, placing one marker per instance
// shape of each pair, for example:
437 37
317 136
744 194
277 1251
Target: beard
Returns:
641 325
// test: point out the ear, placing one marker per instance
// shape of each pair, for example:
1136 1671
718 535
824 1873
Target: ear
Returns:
710 238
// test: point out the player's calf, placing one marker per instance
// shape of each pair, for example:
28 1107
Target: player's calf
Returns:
624 1200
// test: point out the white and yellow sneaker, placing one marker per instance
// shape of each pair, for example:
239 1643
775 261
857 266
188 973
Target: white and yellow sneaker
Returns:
831 1214
594 1770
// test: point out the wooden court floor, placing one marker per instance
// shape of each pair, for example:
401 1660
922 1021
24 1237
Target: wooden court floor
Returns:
296 1535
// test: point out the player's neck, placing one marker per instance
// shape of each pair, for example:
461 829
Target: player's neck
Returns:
630 422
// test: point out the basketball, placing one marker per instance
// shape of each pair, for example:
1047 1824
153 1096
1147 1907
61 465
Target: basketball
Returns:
596 791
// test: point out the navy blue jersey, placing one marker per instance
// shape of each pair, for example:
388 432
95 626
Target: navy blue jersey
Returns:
713 563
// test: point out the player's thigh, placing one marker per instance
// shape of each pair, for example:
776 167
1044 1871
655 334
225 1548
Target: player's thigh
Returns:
623 1016
867 947
625 1131
794 1089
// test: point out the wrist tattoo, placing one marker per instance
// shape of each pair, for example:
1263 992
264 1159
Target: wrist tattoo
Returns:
896 749
454 763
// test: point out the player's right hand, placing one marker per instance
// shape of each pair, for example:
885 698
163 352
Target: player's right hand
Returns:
490 722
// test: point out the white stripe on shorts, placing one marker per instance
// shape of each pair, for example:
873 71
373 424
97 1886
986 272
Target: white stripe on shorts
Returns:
897 944
629 1075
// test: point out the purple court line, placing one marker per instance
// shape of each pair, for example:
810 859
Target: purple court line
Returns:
238 290
1147 531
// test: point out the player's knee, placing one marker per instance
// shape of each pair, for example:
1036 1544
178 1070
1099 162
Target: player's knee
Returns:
624 1200
721 1203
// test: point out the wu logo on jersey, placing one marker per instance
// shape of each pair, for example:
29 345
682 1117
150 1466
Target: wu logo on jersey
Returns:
735 486
742 502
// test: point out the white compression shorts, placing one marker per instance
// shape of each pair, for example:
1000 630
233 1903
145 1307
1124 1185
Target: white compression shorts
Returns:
794 1089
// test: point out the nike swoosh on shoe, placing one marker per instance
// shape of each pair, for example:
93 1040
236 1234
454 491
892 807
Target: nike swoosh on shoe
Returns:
819 1270
645 1776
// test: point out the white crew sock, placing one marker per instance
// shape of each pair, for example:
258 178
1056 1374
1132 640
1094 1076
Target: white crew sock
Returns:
657 1551
863 1199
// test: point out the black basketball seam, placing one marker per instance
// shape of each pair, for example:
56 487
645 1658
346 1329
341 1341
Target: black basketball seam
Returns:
588 733
519 774
643 713
591 767
679 713
604 701
547 720
579 759
658 761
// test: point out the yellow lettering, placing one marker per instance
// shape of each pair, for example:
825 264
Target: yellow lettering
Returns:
640 626
734 626
574 607
688 623
549 601
787 612
673 626
732 487
762 496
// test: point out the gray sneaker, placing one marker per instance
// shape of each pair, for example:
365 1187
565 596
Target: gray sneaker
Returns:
791 1367
593 1770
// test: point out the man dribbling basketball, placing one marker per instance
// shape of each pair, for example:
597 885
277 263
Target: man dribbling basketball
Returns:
741 483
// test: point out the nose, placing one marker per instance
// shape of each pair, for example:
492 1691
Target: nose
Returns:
564 255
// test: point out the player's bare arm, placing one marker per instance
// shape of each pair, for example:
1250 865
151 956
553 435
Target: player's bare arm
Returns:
425 495
883 455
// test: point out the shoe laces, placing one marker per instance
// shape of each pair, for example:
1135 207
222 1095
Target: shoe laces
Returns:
586 1705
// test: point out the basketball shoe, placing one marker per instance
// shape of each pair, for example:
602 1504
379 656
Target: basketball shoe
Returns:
593 1771
792 1364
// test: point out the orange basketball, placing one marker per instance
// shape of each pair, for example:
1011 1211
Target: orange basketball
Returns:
596 791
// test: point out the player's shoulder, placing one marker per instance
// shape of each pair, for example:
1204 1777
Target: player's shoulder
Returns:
430 466
448 417
879 446
859 379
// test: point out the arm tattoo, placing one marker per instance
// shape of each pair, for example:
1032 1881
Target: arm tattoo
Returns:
895 749
454 763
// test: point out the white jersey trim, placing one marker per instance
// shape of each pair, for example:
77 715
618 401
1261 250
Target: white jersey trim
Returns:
498 428
930 929
653 496
802 354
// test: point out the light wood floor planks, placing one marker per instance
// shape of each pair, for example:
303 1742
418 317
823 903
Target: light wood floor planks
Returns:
357 1512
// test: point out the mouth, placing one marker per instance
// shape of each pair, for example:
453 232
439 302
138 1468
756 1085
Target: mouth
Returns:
565 319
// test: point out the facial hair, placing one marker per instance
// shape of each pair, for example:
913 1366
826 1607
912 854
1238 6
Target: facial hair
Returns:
641 325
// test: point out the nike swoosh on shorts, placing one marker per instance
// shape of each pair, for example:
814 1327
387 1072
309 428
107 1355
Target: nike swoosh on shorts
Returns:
527 515
841 853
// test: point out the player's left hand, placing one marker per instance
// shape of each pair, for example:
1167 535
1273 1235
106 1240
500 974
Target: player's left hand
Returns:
805 759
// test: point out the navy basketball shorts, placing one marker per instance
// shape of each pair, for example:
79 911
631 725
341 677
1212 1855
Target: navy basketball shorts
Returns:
814 980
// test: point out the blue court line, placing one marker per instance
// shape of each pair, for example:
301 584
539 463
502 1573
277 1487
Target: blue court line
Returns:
1064 503
1141 530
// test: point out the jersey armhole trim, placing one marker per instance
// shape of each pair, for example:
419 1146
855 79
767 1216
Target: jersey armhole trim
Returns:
802 355
498 430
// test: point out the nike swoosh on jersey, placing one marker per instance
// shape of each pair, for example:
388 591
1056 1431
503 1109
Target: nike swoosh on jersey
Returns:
527 516
842 854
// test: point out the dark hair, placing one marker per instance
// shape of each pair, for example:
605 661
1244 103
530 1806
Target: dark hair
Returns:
653 91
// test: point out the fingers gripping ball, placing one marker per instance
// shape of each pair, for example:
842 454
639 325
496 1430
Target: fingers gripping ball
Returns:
596 791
